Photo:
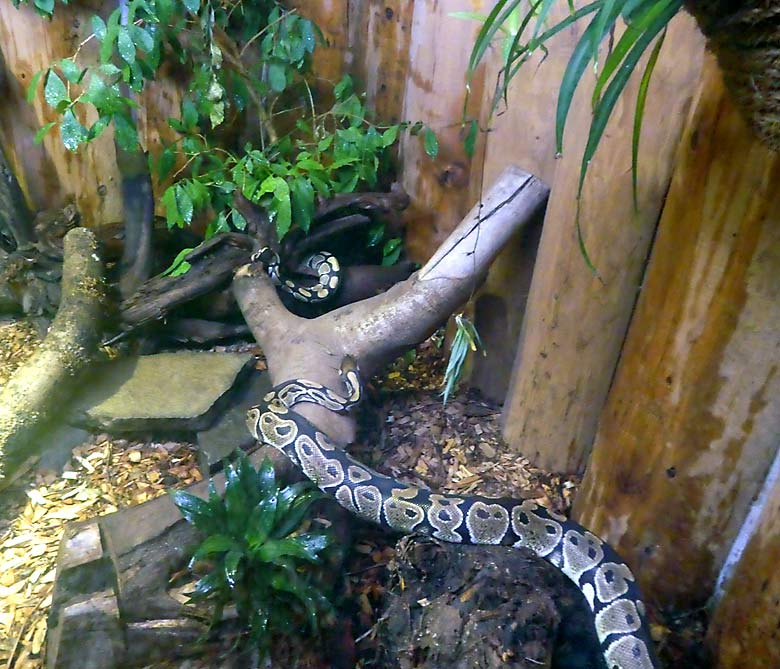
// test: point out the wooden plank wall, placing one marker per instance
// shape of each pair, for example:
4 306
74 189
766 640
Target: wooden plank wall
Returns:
686 437
576 321
692 421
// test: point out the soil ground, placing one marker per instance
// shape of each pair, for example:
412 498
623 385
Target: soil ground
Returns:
405 431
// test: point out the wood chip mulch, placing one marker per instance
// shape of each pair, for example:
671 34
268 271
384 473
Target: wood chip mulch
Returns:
104 475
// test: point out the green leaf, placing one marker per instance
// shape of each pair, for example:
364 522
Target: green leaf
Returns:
142 38
98 27
112 30
375 234
293 517
54 91
607 102
125 45
233 568
391 251
33 87
572 76
43 131
390 135
469 143
72 132
261 521
98 127
192 5
194 510
71 71
125 132
304 546
179 265
208 585
486 33
632 33
282 207
277 77
184 203
45 7
172 216
266 479
343 89
324 143
639 114
216 543
302 202
189 114
239 222
166 162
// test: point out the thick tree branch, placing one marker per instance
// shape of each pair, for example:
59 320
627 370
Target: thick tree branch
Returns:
376 330
35 392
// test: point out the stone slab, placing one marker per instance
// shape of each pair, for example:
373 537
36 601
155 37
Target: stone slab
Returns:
229 431
181 391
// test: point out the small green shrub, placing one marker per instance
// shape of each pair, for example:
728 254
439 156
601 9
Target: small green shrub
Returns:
255 555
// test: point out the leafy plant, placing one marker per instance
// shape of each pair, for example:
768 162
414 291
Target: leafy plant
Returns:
243 57
255 554
466 339
526 31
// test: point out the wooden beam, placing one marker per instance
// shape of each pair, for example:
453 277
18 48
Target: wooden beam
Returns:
575 321
747 618
691 424
435 91
380 33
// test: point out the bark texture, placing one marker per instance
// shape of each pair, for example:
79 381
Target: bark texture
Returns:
376 330
32 395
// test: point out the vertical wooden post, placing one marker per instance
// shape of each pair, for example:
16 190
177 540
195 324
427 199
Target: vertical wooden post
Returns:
380 33
691 424
575 322
435 90
746 621
523 132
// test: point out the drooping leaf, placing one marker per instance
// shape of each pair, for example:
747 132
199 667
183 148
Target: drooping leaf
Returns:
33 87
469 143
431 142
54 91
639 114
72 132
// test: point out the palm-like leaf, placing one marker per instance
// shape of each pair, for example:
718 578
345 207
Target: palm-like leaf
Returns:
645 20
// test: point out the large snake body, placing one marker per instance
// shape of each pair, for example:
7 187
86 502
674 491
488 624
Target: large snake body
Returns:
604 579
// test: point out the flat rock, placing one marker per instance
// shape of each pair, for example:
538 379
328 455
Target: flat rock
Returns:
182 391
229 431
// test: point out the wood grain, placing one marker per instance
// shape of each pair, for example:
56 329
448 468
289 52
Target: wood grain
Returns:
575 322
691 424
746 621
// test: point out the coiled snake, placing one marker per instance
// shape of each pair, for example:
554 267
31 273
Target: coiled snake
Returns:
604 579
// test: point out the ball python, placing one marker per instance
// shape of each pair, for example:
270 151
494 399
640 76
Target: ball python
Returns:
595 568
325 265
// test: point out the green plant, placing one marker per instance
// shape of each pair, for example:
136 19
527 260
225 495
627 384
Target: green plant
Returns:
526 31
255 554
237 58
466 339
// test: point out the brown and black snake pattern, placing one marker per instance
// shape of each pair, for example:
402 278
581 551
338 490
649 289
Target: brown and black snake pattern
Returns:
603 578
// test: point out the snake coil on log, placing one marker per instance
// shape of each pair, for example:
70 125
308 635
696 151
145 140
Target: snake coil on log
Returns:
603 578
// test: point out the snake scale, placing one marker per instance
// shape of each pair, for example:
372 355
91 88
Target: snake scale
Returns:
603 578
